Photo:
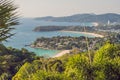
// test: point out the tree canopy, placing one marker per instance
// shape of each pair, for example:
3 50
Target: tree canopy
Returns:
105 65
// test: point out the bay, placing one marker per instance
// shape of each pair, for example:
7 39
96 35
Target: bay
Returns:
25 34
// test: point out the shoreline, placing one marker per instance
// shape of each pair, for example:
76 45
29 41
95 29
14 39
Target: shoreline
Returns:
61 53
58 54
88 33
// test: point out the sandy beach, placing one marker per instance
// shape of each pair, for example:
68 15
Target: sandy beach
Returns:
94 34
62 53
68 51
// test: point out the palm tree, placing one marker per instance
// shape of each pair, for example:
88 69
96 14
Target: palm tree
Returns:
8 18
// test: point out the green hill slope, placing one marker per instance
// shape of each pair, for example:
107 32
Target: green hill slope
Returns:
11 60
105 66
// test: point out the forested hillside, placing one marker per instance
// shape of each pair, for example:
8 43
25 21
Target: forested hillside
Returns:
11 60
105 65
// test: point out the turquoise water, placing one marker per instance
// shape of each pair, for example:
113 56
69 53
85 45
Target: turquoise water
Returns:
25 35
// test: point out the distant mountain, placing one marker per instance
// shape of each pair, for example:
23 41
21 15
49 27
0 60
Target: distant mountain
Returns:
102 18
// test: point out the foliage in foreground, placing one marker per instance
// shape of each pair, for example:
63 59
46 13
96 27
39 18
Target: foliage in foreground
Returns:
11 60
8 18
105 66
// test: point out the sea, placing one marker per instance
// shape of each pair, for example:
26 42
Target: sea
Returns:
24 35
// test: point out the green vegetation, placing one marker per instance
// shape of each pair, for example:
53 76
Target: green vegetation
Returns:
23 65
65 43
11 60
69 43
66 28
8 18
105 66
100 29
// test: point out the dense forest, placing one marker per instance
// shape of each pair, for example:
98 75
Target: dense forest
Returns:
104 65
11 60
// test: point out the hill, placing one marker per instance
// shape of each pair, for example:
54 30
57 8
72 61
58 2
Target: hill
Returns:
101 18
11 60
105 65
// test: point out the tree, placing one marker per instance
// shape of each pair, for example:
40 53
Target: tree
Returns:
107 62
8 18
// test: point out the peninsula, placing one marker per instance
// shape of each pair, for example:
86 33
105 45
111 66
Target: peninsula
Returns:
64 43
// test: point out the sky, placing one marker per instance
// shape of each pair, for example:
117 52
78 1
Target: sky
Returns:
57 8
